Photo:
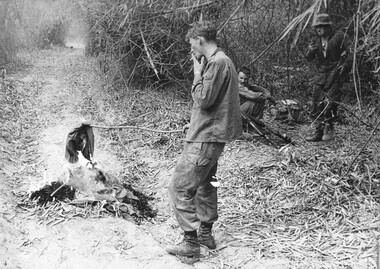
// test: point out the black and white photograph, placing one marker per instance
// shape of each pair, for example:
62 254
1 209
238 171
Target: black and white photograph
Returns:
205 134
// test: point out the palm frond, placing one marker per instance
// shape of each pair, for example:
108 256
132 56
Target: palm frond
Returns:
306 15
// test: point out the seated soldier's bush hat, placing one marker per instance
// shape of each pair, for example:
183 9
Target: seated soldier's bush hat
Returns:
322 19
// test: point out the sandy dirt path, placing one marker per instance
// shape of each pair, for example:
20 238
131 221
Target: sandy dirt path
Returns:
54 84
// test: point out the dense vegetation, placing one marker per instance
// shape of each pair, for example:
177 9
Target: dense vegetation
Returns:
308 194
146 39
143 41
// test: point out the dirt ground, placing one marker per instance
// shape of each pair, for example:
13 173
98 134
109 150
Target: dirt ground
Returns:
53 86
49 95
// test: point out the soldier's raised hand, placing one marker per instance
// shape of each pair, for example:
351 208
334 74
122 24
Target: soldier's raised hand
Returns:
313 45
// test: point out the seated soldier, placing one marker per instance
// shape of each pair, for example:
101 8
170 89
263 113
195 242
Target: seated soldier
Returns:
252 97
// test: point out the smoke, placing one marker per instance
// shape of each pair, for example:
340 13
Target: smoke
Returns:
77 28
41 24
76 34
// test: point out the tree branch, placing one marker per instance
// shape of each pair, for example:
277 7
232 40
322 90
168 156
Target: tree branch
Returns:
133 127
361 150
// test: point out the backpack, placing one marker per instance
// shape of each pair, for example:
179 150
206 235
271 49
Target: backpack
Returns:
282 108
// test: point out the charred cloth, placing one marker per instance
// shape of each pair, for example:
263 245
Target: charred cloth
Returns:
81 138
54 191
141 203
91 187
132 203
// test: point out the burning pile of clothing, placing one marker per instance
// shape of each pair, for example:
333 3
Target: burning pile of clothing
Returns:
90 184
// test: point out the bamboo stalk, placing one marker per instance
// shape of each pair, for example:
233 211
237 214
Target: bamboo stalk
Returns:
231 16
60 187
134 127
378 254
354 67
148 55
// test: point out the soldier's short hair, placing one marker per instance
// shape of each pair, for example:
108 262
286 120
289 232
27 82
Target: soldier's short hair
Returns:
245 70
206 29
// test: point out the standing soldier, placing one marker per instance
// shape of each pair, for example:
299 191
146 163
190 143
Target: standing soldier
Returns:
215 120
331 50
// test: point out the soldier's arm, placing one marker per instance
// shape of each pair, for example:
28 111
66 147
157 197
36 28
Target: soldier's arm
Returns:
251 95
206 88
311 50
263 90
347 54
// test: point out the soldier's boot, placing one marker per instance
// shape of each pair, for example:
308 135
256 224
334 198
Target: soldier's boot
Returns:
328 132
205 237
189 247
316 135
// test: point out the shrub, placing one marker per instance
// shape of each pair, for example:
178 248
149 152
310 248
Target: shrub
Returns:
53 33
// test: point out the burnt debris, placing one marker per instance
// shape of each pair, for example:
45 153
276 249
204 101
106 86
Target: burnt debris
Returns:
56 190
129 202
142 203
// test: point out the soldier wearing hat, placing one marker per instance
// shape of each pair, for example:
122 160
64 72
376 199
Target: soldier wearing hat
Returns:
330 49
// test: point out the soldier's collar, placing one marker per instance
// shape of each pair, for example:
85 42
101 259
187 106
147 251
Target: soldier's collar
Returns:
213 54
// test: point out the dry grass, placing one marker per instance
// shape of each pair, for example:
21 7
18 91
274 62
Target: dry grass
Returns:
314 207
310 211
300 210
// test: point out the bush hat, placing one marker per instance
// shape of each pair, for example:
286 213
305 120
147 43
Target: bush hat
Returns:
322 19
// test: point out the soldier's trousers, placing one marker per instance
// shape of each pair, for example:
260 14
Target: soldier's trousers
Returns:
193 197
325 104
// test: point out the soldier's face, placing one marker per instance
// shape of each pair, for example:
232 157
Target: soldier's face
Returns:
321 30
196 47
243 79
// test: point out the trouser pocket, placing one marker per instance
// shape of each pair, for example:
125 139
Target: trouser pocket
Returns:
202 153
197 154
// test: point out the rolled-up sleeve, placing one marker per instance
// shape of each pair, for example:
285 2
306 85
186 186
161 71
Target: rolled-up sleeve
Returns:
243 91
206 89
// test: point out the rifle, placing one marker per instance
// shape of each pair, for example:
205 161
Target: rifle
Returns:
260 133
253 122
284 137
